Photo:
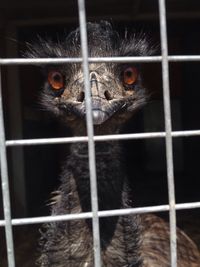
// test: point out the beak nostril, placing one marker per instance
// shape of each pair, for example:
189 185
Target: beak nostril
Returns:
108 96
81 97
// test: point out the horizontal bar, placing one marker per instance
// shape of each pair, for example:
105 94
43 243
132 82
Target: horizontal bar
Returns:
183 58
60 140
149 59
101 214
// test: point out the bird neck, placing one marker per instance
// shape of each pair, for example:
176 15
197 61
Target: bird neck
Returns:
78 127
110 174
112 194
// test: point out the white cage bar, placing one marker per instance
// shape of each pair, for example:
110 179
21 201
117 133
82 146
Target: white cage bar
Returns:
168 129
168 135
5 188
90 133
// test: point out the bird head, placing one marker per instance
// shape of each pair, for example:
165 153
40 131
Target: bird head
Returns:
116 88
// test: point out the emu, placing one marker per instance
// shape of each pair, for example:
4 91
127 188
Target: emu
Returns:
116 92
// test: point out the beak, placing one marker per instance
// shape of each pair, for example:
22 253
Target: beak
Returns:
103 104
102 110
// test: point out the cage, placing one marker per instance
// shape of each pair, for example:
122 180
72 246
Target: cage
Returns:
161 140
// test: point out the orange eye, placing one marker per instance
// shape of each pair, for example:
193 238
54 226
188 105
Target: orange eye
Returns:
56 80
130 76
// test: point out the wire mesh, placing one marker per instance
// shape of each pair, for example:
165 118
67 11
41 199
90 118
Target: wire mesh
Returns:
168 135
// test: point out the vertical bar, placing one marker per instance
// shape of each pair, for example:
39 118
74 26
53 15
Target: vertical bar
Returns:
168 129
5 188
90 132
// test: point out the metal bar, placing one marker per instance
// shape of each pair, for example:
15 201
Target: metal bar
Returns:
5 188
61 140
168 129
183 58
149 59
90 132
105 213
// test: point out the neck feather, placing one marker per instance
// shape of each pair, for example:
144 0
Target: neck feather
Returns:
74 197
111 181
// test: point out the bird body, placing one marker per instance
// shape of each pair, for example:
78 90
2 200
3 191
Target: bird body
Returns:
116 93
131 240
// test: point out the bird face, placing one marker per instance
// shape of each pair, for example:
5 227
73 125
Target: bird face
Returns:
115 90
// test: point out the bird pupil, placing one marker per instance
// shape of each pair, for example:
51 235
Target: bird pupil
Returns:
57 77
129 73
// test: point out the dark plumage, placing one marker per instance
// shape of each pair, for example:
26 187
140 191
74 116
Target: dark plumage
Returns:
117 92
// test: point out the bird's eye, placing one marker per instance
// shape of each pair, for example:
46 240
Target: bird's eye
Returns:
56 80
130 76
